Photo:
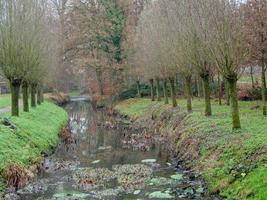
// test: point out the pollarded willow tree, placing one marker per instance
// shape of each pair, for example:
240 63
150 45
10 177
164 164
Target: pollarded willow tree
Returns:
195 32
227 45
153 47
194 36
22 25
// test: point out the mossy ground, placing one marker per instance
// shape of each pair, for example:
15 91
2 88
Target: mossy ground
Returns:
233 163
36 132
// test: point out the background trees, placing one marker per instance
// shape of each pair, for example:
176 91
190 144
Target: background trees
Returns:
23 52
255 28
194 37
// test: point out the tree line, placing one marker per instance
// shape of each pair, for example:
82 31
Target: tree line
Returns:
200 38
27 49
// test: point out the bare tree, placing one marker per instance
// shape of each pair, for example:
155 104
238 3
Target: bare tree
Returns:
255 28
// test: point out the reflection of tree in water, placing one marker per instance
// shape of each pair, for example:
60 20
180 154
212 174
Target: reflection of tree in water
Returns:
79 117
84 126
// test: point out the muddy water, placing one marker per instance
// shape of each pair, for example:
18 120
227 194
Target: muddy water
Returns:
97 165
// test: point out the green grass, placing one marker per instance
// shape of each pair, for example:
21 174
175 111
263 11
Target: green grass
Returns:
134 107
232 162
74 93
36 132
247 79
5 100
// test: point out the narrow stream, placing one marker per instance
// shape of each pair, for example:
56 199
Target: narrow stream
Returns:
96 165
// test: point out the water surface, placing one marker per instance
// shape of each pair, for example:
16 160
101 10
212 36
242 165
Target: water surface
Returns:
95 149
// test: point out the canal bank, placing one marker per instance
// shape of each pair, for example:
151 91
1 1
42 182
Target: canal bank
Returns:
25 140
98 161
233 163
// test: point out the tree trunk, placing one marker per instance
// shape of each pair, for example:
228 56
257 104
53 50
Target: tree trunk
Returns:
25 94
15 88
173 94
188 93
234 103
251 76
219 89
99 80
39 95
152 89
138 89
227 93
165 91
199 86
33 95
206 89
158 89
42 94
263 89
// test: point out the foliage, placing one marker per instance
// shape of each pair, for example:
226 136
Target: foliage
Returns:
247 93
36 133
131 92
116 17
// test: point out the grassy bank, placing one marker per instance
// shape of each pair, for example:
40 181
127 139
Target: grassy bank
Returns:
36 132
234 163
5 100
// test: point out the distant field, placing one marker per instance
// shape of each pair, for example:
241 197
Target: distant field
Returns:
4 100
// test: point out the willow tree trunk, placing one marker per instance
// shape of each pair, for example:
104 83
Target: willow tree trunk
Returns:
158 89
39 95
15 88
219 89
99 80
199 86
152 89
173 94
251 76
206 90
188 93
33 95
165 91
25 96
227 92
234 103
263 89
138 89
42 94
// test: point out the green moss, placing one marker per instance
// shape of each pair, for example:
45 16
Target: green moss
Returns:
229 159
36 132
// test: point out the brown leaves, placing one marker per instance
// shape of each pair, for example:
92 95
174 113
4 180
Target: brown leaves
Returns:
18 176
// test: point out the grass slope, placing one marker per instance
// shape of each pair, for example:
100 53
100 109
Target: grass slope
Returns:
36 133
234 163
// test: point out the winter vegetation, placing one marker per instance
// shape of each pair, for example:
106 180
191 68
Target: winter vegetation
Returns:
193 70
228 162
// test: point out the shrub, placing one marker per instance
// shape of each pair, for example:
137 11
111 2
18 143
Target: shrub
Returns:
247 93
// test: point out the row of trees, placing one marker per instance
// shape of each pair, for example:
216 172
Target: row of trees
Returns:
200 38
26 50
